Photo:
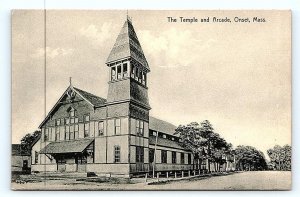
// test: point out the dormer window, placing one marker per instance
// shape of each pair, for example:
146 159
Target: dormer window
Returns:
72 112
87 118
164 136
57 122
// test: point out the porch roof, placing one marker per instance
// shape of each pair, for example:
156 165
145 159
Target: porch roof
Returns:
76 146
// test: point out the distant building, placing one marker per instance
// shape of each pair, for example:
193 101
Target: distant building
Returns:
87 133
20 158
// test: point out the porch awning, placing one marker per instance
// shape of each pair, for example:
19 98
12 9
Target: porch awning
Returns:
76 146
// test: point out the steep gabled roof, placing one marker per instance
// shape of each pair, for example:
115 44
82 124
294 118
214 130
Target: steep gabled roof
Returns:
95 100
127 45
161 126
90 98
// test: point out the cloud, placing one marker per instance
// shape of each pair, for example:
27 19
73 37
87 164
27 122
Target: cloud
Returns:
177 47
52 52
98 34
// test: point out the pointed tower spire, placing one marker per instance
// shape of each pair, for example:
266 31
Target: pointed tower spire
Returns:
127 46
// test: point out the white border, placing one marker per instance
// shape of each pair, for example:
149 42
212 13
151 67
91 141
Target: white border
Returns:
5 77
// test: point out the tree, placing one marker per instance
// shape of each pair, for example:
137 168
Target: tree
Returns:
280 157
28 139
204 143
249 158
191 138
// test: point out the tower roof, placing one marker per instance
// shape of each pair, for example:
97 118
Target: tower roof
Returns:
127 45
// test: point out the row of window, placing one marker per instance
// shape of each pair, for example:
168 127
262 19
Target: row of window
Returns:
164 157
121 71
71 132
69 128
70 120
140 155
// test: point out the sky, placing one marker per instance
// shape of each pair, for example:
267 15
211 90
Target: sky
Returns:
236 75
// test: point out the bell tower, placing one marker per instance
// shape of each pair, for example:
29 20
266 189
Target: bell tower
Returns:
128 69
127 98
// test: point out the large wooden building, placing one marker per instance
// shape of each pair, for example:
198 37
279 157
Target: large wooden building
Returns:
87 133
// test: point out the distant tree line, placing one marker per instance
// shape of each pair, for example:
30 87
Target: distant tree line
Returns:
250 159
206 144
280 157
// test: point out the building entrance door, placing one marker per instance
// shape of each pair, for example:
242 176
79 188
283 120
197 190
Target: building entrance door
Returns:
61 164
25 165
81 162
140 167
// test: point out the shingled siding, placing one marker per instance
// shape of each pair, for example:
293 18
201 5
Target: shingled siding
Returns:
139 93
118 110
118 91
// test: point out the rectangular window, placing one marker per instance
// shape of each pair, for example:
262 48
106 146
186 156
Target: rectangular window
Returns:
117 126
132 71
125 70
76 131
163 156
36 157
72 113
50 134
137 127
182 158
117 154
56 133
140 76
72 120
151 155
71 132
63 130
100 128
67 137
46 135
144 78
86 130
173 157
67 120
139 154
113 73
57 122
76 120
119 68
189 159
136 74
141 130
86 118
